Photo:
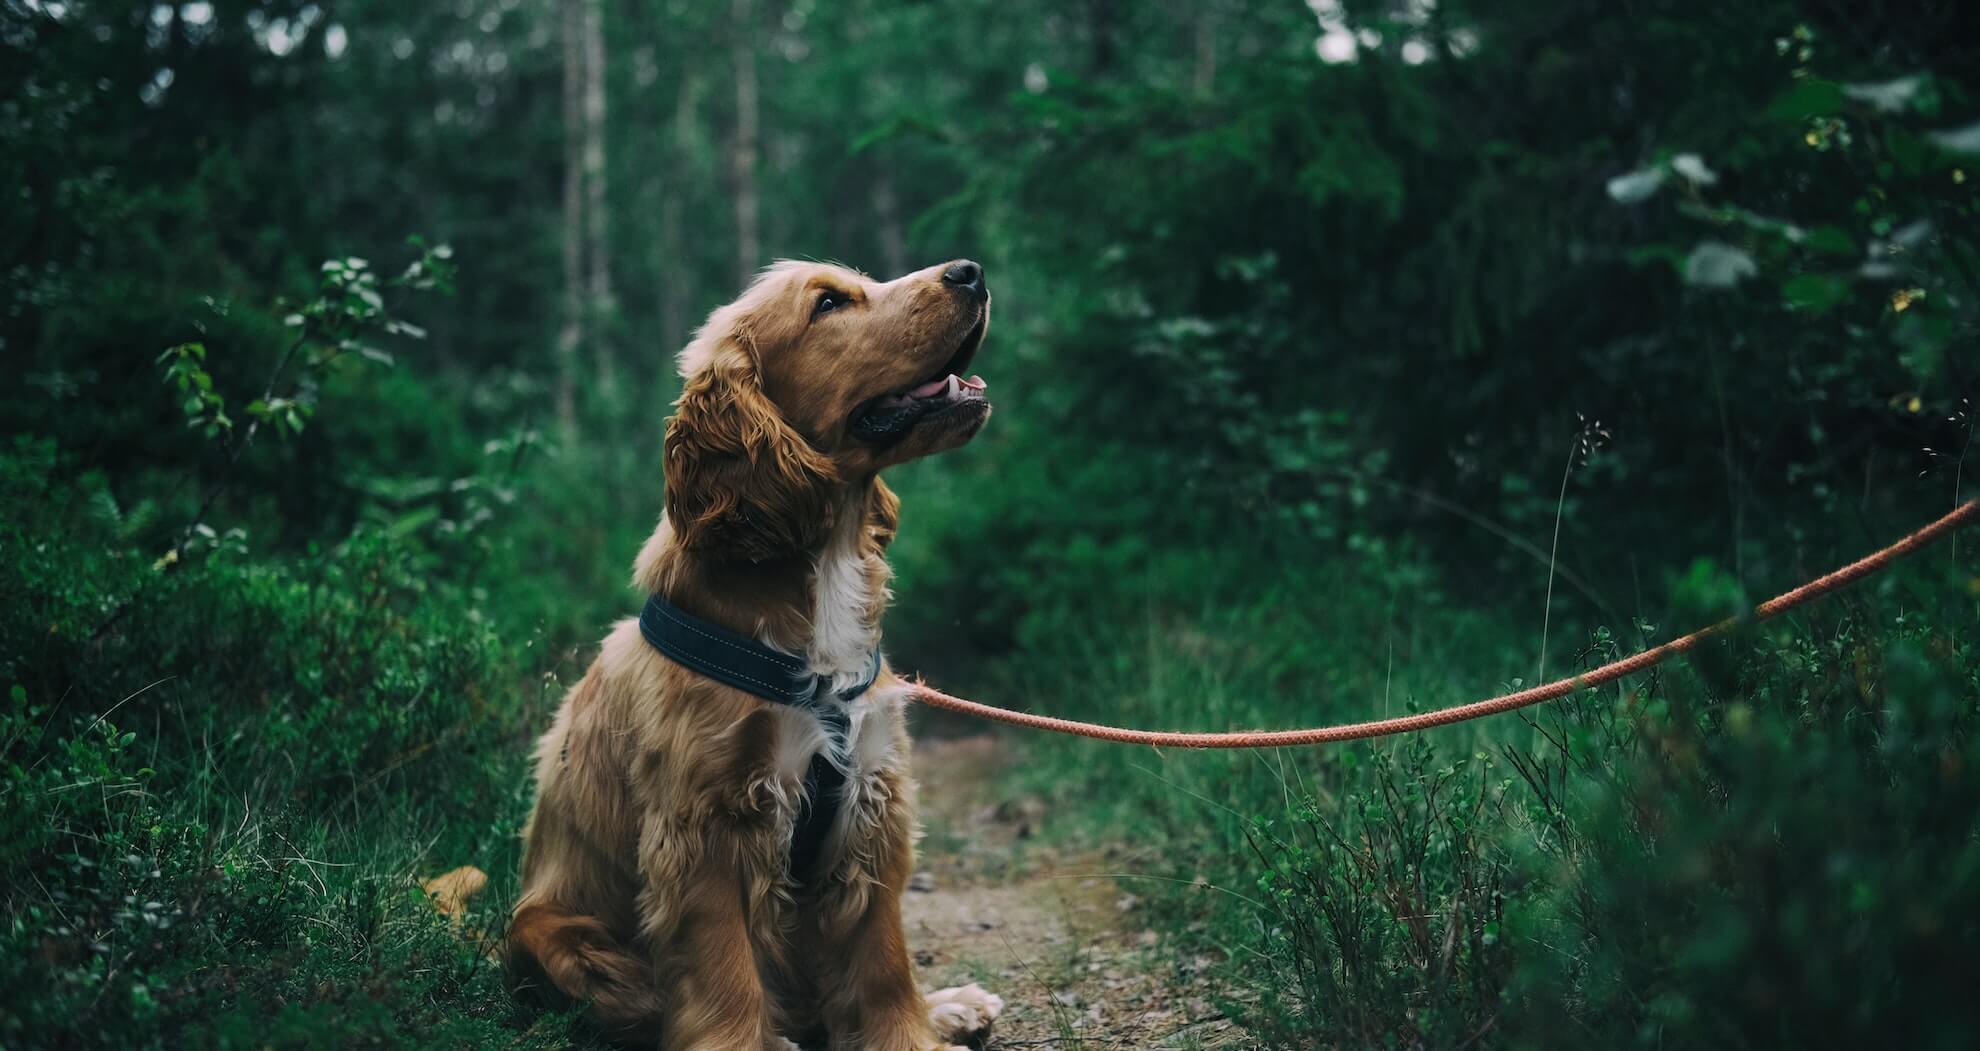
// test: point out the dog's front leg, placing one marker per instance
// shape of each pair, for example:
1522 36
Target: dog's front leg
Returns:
872 1001
711 857
708 922
704 959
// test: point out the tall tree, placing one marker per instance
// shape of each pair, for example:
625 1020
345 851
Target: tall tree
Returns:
571 335
1204 76
1103 19
743 158
599 307
887 213
676 275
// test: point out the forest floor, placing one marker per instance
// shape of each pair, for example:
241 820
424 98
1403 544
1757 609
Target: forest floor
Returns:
1050 929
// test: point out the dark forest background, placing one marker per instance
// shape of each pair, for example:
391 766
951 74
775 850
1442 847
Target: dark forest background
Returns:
1347 356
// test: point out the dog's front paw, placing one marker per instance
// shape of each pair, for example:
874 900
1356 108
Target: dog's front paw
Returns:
962 1014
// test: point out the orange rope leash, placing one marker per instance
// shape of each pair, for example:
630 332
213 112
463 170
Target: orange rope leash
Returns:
1960 516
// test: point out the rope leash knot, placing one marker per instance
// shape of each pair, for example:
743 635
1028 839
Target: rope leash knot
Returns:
1963 515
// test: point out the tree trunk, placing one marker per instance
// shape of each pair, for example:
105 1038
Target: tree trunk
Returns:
599 309
674 270
571 335
1103 18
743 160
1205 76
887 213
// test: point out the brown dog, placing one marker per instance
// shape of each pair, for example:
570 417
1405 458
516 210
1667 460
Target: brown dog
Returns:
659 884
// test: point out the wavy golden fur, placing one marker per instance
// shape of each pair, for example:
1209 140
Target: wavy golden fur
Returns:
656 883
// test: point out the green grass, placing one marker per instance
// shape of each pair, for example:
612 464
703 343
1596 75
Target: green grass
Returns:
1772 840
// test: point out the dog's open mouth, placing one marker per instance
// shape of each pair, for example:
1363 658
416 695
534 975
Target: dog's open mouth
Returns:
889 416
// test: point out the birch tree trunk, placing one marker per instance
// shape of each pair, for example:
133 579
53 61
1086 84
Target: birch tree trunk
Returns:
600 305
1204 78
743 160
893 238
571 335
674 271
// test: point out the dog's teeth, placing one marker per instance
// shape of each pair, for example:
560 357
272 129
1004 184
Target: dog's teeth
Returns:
953 384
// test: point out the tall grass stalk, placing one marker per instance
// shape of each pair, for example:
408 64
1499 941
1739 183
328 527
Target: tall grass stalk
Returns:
1587 439
1959 476
1553 556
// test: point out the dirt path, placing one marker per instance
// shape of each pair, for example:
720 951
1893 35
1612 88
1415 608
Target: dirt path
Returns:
1068 950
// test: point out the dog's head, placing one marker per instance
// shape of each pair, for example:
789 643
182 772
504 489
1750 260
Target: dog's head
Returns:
817 376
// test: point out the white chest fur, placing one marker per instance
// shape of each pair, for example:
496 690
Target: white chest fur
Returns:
845 624
870 744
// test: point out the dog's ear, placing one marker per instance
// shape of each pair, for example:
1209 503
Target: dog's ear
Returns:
741 484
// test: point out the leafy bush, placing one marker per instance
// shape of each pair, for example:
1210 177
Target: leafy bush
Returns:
177 783
227 766
1787 853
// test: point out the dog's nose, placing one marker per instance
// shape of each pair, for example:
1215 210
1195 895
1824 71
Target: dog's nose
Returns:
967 276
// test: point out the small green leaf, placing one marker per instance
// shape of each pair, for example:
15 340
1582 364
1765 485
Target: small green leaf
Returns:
1889 96
1922 339
1963 141
1635 186
1908 151
1714 264
1831 239
1809 98
1816 293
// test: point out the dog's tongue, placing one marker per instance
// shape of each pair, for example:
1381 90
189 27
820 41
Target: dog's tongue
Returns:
949 384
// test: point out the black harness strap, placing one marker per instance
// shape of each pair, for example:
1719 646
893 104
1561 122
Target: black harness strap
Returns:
824 790
737 660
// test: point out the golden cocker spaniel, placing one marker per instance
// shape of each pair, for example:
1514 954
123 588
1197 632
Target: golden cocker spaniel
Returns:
724 822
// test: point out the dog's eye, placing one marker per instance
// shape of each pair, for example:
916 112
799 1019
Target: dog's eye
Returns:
829 301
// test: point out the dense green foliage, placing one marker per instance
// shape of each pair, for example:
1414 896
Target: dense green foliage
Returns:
223 852
1348 358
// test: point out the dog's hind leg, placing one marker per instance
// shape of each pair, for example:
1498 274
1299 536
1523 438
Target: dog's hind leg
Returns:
571 958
